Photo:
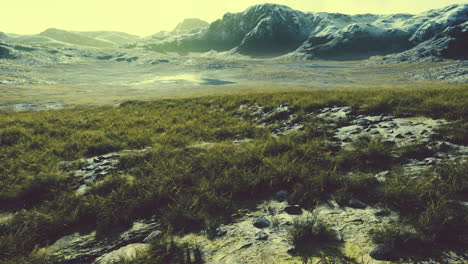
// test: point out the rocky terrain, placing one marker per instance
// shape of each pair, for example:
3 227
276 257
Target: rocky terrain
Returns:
260 235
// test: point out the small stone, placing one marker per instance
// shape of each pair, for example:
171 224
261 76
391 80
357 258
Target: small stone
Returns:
246 246
363 122
221 231
375 132
152 236
409 133
399 136
292 251
261 236
293 209
355 203
383 252
261 222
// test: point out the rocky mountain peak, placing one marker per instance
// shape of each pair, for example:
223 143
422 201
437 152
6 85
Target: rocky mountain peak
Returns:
190 24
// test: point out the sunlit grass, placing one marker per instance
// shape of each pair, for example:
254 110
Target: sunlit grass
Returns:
191 188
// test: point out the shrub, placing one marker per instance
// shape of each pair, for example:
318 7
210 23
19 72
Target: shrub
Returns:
310 237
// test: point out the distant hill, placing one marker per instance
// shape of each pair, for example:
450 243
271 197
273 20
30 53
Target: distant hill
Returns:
76 38
118 38
190 24
58 37
272 30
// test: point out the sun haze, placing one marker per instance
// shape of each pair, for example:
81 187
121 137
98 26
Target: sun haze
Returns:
145 17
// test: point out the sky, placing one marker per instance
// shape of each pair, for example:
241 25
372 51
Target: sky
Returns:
145 17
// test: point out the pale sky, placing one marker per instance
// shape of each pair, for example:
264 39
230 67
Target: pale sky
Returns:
145 17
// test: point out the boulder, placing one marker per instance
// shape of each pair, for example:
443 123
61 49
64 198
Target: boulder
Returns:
355 203
293 209
261 222
261 236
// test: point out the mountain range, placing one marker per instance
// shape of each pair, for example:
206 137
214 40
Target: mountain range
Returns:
273 30
270 30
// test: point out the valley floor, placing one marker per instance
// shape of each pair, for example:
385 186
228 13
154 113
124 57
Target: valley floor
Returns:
100 82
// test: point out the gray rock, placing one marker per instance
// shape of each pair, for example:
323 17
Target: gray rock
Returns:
363 122
85 248
152 236
293 209
399 136
221 231
355 203
382 212
261 222
292 251
384 252
246 245
261 236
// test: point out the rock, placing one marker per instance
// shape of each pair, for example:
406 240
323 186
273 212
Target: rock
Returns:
399 136
375 132
152 236
435 136
246 245
355 203
84 248
382 212
261 236
292 251
221 231
125 253
363 122
383 252
293 209
281 195
261 222
389 143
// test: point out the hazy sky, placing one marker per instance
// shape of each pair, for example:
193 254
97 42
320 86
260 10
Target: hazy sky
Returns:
145 17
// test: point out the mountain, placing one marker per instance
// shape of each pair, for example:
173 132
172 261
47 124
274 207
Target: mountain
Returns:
191 24
272 30
451 43
60 38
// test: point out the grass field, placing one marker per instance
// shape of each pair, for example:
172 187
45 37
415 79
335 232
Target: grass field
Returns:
192 188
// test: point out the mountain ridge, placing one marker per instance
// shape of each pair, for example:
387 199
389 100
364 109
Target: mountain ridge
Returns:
274 30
